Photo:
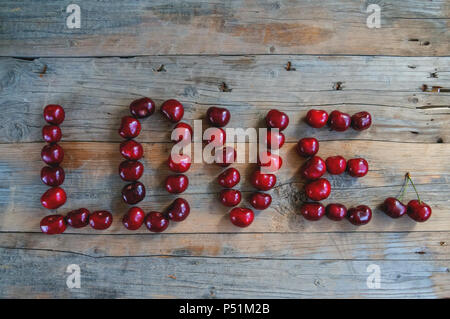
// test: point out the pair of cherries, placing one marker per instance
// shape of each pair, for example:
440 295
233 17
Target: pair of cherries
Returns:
339 121
57 224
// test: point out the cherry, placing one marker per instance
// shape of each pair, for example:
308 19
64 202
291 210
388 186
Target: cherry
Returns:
184 131
393 207
226 156
217 137
172 110
218 116
156 222
312 211
78 218
308 146
54 114
229 178
52 175
260 201
316 118
134 218
143 107
357 167
336 212
179 163
53 224
262 181
129 127
53 198
277 119
133 193
336 165
418 210
339 121
100 219
52 154
270 162
51 133
131 150
241 217
318 190
313 168
179 210
359 215
177 184
230 197
361 121
131 171
275 140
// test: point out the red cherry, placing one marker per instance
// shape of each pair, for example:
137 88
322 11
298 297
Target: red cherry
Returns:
357 167
177 184
318 190
52 175
156 222
54 114
225 156
339 121
131 150
179 210
312 211
229 178
336 165
336 212
218 116
359 215
361 121
184 132
51 133
131 171
241 217
133 193
393 207
419 211
316 118
172 110
216 136
277 119
308 146
179 163
275 140
53 198
100 219
78 218
230 197
134 218
52 154
129 127
260 201
270 162
313 168
53 224
262 181
143 107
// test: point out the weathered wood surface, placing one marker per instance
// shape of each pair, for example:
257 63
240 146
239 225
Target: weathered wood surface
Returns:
118 28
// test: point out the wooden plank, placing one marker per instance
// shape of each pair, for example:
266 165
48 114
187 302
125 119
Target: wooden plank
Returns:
410 27
97 92
27 274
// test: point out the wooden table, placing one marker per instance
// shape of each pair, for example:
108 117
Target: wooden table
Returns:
232 54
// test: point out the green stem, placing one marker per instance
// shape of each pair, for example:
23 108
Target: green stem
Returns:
414 186
404 187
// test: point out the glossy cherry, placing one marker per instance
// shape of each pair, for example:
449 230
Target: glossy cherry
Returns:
277 119
312 211
418 210
131 171
275 140
225 156
134 218
133 193
316 118
263 181
241 217
357 167
179 163
52 154
336 212
229 178
230 197
313 168
53 198
336 165
359 215
308 146
172 110
339 121
100 219
318 190
131 150
54 114
260 201
78 218
177 184
361 121
52 175
393 207
270 162
216 136
53 224
143 107
218 116
129 127
179 210
183 132
156 222
51 133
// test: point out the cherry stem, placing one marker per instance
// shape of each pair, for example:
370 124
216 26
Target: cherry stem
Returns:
412 183
403 190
